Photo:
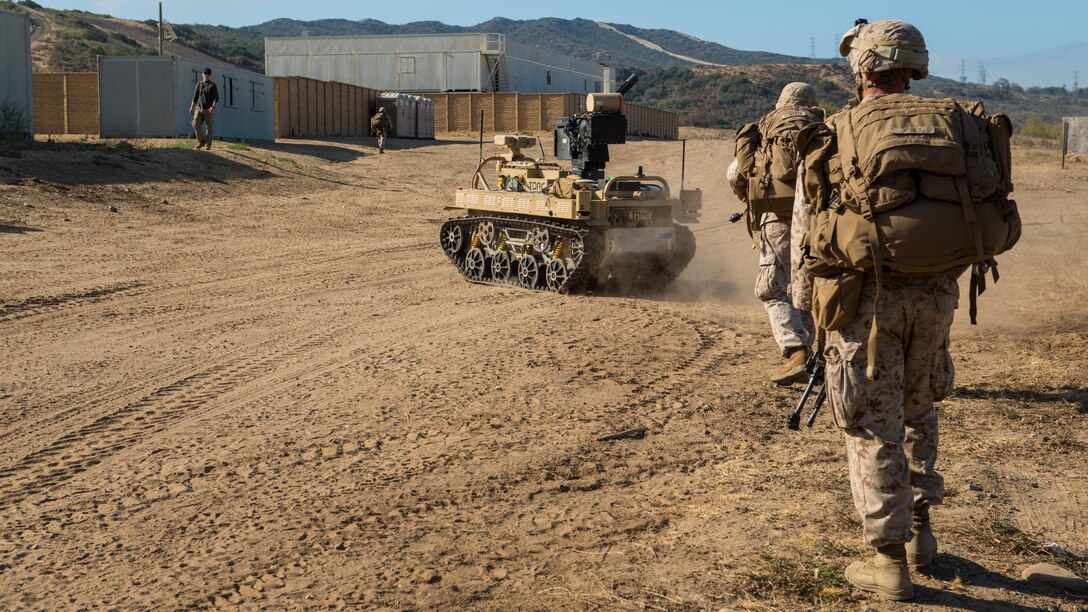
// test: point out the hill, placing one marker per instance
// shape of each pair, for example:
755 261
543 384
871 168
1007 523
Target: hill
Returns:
728 96
607 43
709 84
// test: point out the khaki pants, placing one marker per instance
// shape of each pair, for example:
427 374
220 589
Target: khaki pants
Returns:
890 423
202 116
791 327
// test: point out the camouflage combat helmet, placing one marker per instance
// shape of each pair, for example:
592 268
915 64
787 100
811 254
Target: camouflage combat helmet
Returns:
797 94
885 45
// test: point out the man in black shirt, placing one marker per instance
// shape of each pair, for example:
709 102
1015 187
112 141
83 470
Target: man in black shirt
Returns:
202 107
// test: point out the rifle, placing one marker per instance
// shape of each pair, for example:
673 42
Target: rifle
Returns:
814 367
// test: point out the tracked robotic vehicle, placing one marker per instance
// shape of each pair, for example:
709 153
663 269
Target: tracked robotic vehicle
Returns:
539 226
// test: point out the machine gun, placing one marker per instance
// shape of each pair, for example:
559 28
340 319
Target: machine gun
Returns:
814 367
584 138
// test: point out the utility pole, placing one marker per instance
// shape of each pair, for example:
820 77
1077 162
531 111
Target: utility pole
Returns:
1076 85
160 28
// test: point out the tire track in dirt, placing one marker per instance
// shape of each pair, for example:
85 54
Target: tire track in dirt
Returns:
31 306
441 503
209 316
299 269
78 451
75 452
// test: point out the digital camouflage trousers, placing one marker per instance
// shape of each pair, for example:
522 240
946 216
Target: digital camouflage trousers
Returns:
791 327
890 423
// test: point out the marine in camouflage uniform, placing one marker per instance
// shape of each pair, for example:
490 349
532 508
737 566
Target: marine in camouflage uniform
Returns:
380 126
791 326
889 422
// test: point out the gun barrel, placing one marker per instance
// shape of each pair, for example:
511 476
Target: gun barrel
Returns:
628 84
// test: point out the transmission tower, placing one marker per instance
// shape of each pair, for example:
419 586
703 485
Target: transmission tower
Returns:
812 46
981 74
1076 85
963 71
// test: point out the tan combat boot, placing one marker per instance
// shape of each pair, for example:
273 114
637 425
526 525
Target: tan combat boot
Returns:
794 369
923 546
886 574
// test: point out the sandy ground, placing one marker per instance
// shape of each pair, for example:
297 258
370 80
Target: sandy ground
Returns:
251 377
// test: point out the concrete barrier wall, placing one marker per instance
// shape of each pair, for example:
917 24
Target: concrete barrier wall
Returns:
518 112
66 103
309 108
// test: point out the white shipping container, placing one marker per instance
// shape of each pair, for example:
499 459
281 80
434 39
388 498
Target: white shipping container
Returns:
16 81
148 96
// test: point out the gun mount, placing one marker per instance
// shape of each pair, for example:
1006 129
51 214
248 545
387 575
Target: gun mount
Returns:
583 138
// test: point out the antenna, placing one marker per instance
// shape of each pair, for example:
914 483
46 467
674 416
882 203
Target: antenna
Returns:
683 161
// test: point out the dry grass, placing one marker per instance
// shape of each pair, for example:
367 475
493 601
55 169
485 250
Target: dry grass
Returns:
1000 537
806 578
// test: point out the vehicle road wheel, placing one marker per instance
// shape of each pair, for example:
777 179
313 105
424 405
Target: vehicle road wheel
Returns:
500 266
475 264
557 275
528 272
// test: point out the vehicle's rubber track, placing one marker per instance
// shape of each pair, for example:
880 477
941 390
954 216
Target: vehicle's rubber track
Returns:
587 273
577 276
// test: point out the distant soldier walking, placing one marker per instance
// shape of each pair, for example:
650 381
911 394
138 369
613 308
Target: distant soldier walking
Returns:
380 127
205 99
763 175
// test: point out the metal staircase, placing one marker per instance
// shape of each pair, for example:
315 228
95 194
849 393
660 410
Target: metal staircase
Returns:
494 52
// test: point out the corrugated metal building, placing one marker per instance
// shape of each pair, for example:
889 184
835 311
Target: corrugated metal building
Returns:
434 63
148 97
16 86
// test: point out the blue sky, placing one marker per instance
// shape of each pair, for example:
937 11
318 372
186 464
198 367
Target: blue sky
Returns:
1039 42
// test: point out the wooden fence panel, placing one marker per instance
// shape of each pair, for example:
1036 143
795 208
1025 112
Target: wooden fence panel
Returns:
66 103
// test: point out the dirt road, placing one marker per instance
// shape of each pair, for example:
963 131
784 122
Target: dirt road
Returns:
259 382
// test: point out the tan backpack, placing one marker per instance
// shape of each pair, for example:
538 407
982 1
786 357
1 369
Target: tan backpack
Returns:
767 159
909 185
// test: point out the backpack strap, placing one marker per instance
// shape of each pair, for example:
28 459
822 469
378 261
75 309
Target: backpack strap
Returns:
853 175
970 192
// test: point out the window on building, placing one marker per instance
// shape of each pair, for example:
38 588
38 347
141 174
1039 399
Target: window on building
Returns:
596 87
227 95
256 91
549 77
